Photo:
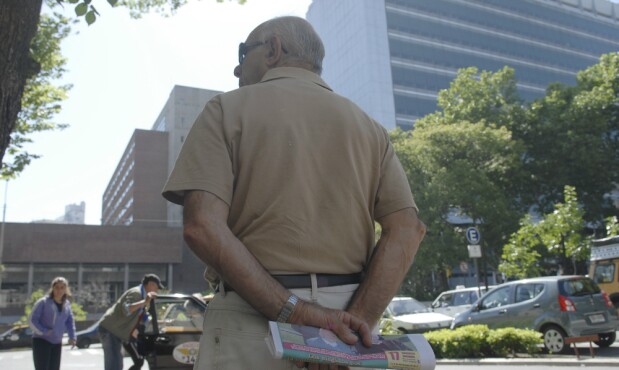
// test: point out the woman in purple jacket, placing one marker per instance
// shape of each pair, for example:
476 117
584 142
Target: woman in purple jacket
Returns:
50 317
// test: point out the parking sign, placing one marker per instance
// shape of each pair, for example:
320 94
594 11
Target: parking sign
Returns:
472 235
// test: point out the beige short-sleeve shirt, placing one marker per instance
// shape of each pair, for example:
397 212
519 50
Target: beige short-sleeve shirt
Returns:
304 171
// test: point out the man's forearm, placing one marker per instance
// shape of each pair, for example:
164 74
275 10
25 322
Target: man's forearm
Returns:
391 260
212 241
207 234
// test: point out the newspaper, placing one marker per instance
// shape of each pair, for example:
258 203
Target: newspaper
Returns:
311 344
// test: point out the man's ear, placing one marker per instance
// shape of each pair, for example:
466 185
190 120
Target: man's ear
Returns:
275 53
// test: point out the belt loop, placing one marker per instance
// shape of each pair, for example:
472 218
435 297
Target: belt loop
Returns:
314 288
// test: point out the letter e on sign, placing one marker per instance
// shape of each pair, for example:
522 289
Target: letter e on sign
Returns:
472 235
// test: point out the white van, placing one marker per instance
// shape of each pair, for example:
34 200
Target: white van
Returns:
452 302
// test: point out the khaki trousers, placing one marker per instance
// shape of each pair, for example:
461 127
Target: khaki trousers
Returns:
234 333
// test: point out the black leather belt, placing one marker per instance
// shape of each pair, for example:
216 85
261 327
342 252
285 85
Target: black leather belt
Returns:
304 281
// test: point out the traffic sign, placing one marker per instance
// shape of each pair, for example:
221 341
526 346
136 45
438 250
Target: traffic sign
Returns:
474 251
473 235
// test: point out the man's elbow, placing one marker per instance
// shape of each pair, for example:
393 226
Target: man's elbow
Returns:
192 233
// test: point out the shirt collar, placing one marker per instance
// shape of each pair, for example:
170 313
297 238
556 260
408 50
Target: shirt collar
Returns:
294 72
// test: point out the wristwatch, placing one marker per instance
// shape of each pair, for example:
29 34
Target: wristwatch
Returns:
286 311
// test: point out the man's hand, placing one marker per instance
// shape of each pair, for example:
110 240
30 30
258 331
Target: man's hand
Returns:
149 297
346 326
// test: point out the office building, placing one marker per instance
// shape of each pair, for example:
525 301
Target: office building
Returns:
140 232
391 57
133 195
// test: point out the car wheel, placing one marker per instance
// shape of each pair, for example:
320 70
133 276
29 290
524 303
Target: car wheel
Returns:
606 339
554 339
84 343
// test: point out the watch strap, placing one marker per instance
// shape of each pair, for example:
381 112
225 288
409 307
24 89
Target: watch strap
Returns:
286 311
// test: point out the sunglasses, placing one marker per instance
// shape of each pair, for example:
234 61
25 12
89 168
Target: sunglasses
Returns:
246 48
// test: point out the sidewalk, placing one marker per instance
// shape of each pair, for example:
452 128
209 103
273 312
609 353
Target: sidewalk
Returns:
603 357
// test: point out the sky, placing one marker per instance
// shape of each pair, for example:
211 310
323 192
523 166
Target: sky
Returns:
123 71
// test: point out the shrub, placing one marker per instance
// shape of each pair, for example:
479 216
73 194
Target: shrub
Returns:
479 341
509 341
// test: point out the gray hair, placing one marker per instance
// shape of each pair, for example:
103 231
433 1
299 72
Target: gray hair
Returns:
302 44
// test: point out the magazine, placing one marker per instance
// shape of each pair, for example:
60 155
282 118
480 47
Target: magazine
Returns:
311 344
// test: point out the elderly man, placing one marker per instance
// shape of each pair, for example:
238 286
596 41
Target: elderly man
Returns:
281 181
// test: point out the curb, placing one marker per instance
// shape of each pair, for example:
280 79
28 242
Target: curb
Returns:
548 361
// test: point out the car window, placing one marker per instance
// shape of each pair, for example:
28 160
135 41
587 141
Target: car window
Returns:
406 306
177 315
444 300
604 273
524 292
538 289
578 287
462 298
496 298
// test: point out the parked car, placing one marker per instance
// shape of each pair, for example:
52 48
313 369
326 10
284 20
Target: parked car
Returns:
172 334
557 306
17 336
410 316
88 336
452 302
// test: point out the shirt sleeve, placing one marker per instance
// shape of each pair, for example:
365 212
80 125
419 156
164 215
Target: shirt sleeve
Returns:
394 192
34 320
129 299
205 160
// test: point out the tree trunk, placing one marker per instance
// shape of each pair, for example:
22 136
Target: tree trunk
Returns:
19 20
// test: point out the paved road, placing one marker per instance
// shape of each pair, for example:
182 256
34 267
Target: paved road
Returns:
92 359
72 359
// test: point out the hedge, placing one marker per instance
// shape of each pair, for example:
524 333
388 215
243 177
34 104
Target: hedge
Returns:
479 341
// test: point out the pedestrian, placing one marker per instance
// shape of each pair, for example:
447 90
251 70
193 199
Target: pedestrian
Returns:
120 322
281 181
50 317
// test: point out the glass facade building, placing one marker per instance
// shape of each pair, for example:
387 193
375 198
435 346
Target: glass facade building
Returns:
392 57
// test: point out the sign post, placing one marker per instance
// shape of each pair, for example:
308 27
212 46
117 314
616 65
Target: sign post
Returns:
473 237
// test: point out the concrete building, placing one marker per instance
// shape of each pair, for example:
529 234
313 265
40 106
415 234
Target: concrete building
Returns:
141 232
133 195
391 57
100 262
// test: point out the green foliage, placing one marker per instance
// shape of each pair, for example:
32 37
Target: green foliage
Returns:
78 312
35 296
521 254
479 341
570 137
612 226
457 168
509 341
558 235
86 9
42 98
387 328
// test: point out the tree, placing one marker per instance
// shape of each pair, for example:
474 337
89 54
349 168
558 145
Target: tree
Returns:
41 99
457 168
557 240
19 64
612 226
78 313
571 138
462 161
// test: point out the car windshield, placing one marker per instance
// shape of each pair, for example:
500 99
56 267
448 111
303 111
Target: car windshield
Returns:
406 306
578 287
